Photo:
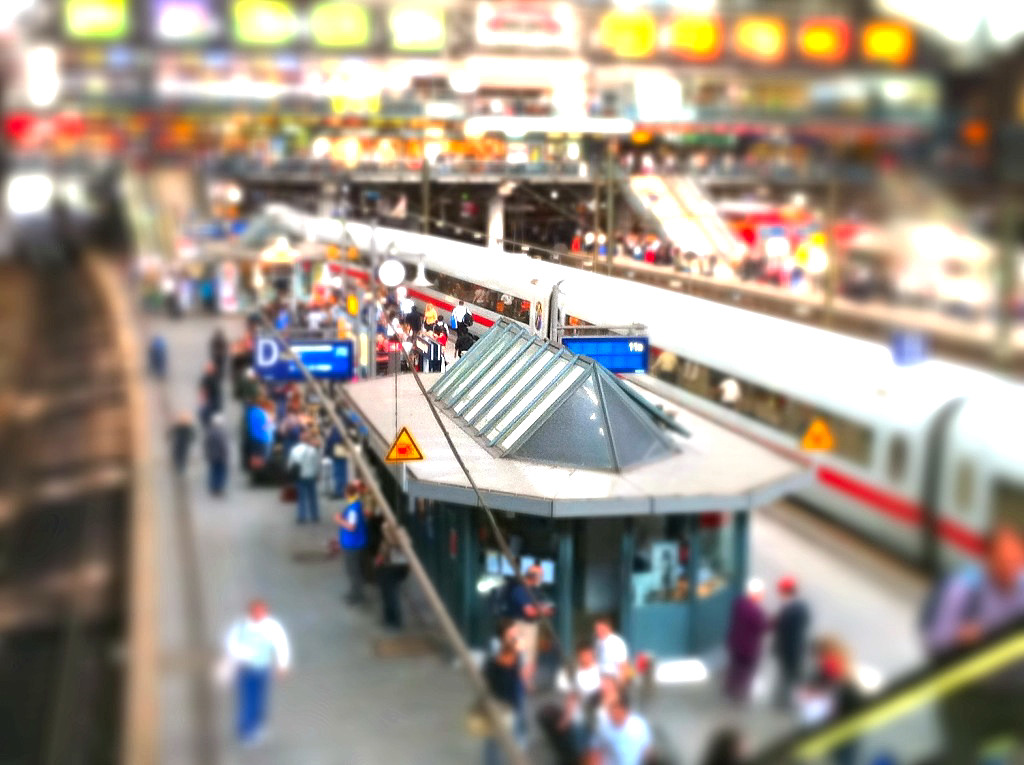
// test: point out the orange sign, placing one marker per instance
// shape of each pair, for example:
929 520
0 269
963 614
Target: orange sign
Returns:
760 38
404 449
818 437
695 38
629 34
825 41
887 42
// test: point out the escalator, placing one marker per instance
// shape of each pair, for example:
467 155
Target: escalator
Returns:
651 196
702 210
965 709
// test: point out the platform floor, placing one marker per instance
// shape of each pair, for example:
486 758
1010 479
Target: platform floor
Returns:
341 705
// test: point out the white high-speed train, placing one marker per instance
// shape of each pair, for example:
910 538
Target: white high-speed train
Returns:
925 457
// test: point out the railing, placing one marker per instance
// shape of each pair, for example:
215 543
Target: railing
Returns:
961 708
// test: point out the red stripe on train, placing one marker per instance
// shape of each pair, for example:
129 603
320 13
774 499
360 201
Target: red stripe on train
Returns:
893 506
482 320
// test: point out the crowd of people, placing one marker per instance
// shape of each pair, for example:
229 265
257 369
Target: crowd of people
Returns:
596 717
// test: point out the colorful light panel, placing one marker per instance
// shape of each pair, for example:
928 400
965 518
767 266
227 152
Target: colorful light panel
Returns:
417 29
264 22
760 38
183 20
695 38
887 42
825 41
628 34
96 19
340 25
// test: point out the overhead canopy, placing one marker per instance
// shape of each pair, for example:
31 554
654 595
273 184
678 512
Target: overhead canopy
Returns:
531 400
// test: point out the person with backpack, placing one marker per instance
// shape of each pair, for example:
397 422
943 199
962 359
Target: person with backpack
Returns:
791 627
965 608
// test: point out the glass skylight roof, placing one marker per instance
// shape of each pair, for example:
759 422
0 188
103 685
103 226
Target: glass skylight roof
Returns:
536 401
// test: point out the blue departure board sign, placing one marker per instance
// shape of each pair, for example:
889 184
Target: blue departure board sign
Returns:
616 353
325 359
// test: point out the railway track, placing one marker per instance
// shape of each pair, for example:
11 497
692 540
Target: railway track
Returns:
65 516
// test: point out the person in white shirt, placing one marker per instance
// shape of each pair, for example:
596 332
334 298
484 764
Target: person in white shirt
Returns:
612 651
568 725
459 313
305 459
621 737
256 645
729 392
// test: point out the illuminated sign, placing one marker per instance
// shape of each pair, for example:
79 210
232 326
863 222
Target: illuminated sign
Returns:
264 22
760 38
340 25
417 29
325 360
96 19
887 42
695 38
825 41
527 25
616 353
183 20
628 34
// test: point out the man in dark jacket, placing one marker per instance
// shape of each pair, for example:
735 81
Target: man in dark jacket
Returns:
215 446
219 352
182 433
743 644
211 395
791 627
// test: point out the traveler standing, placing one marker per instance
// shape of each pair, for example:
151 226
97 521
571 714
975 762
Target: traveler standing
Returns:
392 569
211 397
215 446
338 452
970 605
182 433
256 645
352 538
219 352
791 627
524 606
503 673
743 645
304 464
612 651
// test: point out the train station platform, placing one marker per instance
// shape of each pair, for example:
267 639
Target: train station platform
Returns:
344 703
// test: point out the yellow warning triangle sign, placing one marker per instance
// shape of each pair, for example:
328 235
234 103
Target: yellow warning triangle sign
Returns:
818 437
404 449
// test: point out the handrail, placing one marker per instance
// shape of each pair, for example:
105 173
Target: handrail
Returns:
947 675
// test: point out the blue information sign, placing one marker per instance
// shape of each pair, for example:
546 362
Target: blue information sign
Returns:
616 353
325 359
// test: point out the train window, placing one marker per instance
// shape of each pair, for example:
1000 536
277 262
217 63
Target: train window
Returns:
963 487
897 458
1008 503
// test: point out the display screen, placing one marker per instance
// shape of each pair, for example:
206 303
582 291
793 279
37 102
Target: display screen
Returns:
337 24
96 19
264 22
184 20
325 360
518 24
622 355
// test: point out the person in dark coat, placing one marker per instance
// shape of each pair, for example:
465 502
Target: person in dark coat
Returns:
725 748
219 352
182 433
464 339
212 398
743 645
791 627
157 357
215 447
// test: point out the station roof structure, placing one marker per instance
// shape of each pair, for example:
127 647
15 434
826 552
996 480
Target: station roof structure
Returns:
546 432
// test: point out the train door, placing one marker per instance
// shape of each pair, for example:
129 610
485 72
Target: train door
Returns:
954 499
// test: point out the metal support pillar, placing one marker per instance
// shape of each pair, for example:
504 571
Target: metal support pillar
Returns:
610 202
1006 278
425 197
693 563
741 549
564 575
628 548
